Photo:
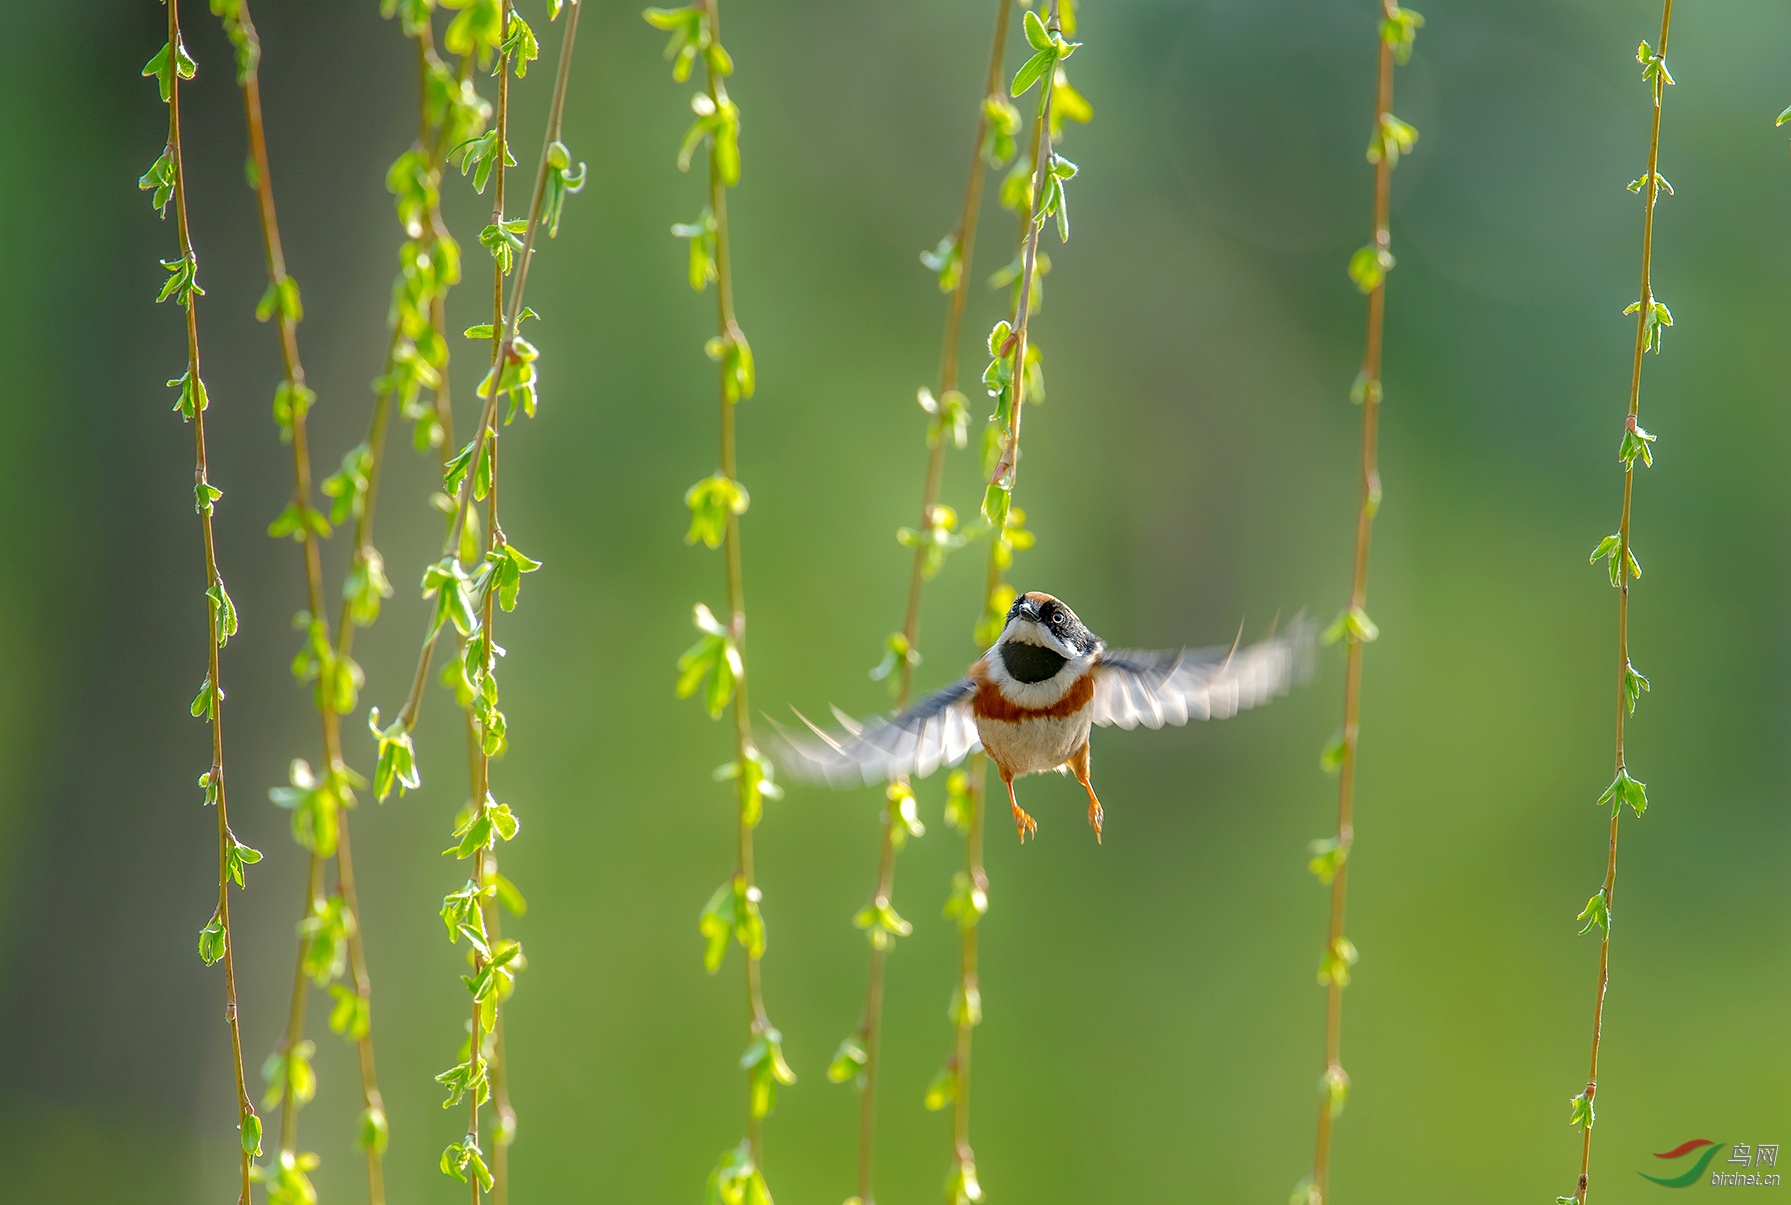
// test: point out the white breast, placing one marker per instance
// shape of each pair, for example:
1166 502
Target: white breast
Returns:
1034 745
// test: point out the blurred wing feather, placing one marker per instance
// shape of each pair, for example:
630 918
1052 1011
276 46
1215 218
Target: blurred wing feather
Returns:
1154 687
937 731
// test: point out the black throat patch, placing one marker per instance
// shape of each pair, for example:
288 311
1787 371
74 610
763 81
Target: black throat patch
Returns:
1031 662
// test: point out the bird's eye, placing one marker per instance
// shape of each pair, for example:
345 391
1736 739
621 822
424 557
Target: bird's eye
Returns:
1057 619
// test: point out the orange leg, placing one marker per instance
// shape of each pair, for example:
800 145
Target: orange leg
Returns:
1078 765
1025 825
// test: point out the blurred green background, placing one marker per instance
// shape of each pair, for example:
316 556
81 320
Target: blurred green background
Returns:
1153 1026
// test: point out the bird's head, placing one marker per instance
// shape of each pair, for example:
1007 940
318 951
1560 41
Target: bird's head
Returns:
1040 620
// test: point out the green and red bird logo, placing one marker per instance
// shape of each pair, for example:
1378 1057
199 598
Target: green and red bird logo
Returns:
1695 1171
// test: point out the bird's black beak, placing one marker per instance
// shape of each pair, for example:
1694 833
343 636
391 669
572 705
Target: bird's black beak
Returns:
1029 609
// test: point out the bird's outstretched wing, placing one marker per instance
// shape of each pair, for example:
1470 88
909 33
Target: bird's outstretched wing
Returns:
937 731
1173 686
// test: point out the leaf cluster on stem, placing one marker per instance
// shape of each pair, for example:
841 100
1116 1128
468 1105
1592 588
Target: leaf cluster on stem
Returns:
1634 444
329 928
1035 190
466 598
715 665
166 181
1389 140
947 410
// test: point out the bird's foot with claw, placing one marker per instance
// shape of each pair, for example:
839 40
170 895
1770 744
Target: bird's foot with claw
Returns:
1024 824
1095 815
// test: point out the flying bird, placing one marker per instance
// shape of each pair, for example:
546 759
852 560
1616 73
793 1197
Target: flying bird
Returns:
1030 701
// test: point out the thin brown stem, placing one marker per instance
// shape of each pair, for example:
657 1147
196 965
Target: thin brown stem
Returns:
954 324
1007 474
285 323
244 1108
744 750
965 235
1368 501
555 116
287 326
1651 193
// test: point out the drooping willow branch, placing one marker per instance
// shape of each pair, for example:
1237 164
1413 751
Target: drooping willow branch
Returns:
330 936
857 1057
166 180
1036 191
494 978
452 114
1368 267
466 599
325 927
716 664
1652 318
